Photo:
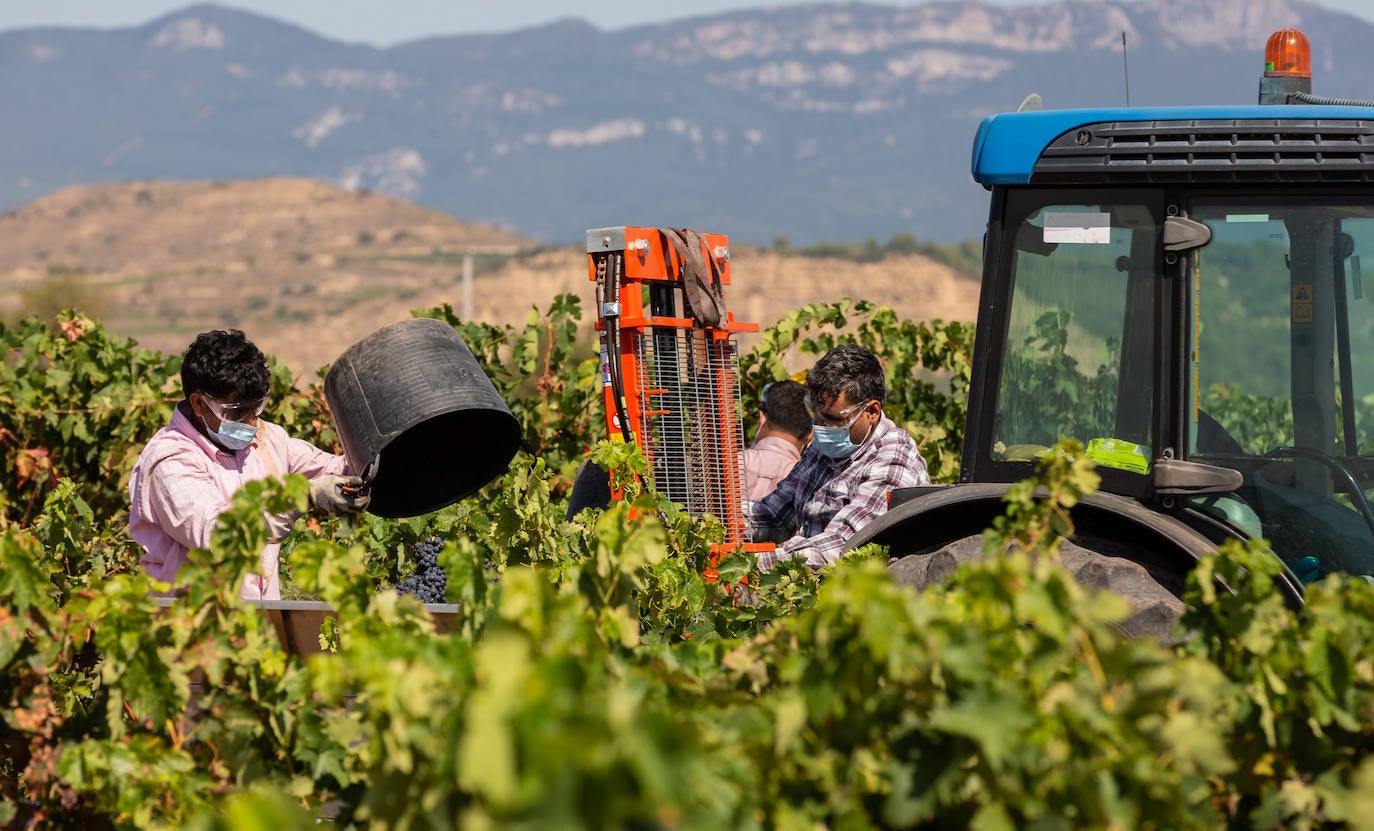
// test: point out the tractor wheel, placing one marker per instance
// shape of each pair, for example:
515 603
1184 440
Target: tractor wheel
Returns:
1097 564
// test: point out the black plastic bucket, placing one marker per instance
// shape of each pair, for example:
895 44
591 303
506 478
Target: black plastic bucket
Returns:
411 400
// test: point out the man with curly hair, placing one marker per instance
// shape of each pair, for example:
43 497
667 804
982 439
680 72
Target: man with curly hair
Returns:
216 442
857 456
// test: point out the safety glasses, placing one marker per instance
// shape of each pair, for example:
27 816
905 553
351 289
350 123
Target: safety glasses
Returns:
841 419
238 411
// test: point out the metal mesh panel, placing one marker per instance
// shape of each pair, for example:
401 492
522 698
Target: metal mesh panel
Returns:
689 418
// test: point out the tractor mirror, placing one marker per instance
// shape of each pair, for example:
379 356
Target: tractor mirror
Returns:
1183 234
1031 239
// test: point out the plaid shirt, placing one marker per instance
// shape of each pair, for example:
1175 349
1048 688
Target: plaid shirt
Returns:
183 482
823 501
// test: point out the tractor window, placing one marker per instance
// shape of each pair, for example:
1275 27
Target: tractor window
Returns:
1077 361
1282 385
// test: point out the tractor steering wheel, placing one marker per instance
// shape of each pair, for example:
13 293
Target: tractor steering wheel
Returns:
1356 492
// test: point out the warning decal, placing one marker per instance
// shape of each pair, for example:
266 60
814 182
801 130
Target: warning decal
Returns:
1302 303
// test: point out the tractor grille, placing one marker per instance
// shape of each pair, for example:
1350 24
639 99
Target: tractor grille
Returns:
1251 150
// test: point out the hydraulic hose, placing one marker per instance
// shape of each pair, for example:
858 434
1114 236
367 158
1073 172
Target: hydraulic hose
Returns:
615 265
1309 98
613 340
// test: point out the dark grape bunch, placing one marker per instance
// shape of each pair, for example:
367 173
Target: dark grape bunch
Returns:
428 582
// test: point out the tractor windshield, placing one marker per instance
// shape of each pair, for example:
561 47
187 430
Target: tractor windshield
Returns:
1281 385
1077 360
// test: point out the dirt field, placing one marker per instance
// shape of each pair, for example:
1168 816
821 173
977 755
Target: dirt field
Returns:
306 269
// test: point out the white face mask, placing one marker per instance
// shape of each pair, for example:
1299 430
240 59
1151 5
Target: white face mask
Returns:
235 435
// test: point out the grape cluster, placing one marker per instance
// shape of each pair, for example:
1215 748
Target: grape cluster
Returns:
428 582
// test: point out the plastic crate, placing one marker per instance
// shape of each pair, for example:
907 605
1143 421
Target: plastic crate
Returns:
298 622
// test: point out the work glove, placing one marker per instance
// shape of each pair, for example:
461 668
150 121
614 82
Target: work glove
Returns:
339 494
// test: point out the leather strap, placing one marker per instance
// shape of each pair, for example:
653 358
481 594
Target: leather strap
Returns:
701 286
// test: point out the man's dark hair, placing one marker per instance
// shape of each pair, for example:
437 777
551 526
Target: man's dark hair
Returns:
783 403
848 369
224 362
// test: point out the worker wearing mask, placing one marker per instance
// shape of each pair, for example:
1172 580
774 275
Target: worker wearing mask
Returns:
857 457
216 442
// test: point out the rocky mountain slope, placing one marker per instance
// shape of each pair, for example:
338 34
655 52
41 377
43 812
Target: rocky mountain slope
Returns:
822 121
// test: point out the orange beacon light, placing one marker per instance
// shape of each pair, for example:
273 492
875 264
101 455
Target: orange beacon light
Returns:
1287 75
1287 55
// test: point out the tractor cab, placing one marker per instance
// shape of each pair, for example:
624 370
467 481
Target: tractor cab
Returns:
1239 352
1181 290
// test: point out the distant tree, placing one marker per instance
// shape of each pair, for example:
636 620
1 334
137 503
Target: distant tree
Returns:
62 288
829 249
871 252
903 244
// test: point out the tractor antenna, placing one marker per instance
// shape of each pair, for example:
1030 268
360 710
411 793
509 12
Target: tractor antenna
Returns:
1126 67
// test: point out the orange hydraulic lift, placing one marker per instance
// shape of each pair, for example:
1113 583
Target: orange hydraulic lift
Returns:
670 365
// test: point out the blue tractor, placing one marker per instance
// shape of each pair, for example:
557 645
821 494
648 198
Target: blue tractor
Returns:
1179 289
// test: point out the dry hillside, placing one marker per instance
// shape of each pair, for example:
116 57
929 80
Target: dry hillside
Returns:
306 268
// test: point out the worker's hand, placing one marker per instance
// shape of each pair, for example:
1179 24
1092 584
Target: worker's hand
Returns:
745 596
339 494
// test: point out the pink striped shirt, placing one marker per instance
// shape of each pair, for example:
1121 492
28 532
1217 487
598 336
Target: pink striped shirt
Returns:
183 482
766 464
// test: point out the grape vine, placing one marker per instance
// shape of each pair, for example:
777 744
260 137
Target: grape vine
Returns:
590 657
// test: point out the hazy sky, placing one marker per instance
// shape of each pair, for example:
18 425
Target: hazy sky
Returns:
384 22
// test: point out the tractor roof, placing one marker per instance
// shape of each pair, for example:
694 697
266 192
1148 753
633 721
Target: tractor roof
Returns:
1161 143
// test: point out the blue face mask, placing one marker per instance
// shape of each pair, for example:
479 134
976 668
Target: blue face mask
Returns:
235 435
833 441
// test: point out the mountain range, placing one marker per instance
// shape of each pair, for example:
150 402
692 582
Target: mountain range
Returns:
822 121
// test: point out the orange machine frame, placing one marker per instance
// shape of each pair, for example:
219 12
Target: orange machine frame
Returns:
640 301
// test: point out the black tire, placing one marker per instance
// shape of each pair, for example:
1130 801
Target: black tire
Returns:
1098 564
